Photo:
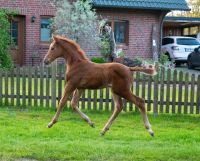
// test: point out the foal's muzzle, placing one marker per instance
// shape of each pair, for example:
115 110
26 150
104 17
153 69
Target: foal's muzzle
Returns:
46 62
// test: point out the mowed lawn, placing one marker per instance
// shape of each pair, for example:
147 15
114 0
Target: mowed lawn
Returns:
24 136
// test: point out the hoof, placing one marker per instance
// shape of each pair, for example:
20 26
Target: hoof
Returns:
102 133
92 124
151 132
49 125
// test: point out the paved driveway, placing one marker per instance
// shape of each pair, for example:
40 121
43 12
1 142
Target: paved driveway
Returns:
184 68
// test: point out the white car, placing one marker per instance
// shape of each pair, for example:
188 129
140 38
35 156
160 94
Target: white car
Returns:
177 48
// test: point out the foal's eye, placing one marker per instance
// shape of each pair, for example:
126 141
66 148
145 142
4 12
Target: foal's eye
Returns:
52 48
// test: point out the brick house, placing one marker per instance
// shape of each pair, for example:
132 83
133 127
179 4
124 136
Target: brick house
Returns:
132 22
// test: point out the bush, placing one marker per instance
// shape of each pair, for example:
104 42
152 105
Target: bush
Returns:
163 59
104 46
5 40
98 60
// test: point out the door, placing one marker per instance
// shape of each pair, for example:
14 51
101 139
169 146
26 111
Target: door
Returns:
17 33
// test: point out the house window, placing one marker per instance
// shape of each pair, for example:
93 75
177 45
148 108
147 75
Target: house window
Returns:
45 30
120 32
186 31
120 29
194 30
14 32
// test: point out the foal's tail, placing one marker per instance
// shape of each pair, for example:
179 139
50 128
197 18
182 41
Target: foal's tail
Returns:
150 69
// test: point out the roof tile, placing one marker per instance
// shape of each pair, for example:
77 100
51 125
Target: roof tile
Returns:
143 4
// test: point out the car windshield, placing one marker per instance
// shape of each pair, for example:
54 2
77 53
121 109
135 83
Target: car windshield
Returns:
187 41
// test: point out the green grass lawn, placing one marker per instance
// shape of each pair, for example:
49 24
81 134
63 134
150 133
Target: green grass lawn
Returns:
24 136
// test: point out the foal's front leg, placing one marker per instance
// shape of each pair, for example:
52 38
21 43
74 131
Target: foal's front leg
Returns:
76 95
67 92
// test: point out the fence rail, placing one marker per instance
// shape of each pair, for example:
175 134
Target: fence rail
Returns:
170 91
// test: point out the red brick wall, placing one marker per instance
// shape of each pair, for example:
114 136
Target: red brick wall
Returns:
29 8
140 28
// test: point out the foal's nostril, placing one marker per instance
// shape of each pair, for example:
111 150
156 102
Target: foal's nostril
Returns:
46 61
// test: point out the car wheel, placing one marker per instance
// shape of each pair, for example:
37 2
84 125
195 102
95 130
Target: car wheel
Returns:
177 64
189 64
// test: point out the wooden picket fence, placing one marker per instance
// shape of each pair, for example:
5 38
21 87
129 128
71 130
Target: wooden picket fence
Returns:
169 91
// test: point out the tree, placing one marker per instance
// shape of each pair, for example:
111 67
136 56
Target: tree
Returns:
76 20
5 40
195 9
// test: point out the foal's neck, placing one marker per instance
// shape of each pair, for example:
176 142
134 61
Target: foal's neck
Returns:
73 57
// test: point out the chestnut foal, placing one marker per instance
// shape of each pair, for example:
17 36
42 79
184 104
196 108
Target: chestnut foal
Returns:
83 74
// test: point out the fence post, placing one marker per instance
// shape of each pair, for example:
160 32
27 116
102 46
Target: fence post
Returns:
174 91
30 86
180 91
198 95
47 86
192 89
18 86
168 95
12 73
6 87
186 93
53 85
36 86
155 104
162 89
41 86
24 86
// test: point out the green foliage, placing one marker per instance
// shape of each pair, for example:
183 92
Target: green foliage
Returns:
24 136
5 40
163 59
120 53
98 60
104 45
77 20
138 60
194 12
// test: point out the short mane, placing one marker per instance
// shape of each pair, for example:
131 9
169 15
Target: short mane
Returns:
80 51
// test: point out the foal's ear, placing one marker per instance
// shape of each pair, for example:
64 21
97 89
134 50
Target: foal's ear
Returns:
54 37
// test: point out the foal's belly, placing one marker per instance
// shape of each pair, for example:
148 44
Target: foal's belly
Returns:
94 83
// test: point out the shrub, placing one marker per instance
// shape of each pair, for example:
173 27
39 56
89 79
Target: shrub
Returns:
98 60
5 40
104 46
163 59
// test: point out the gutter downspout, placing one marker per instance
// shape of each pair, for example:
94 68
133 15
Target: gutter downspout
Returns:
162 16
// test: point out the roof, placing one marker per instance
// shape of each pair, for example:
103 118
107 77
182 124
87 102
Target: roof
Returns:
182 19
182 37
143 4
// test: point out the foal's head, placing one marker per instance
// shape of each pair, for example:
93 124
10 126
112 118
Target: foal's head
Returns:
63 47
55 51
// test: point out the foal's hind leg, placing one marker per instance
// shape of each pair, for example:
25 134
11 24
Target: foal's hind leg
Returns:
118 108
74 103
141 104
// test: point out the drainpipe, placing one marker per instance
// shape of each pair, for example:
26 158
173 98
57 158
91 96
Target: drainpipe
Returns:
162 16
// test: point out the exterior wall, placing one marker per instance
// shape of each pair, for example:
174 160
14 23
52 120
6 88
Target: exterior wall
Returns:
140 28
29 8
